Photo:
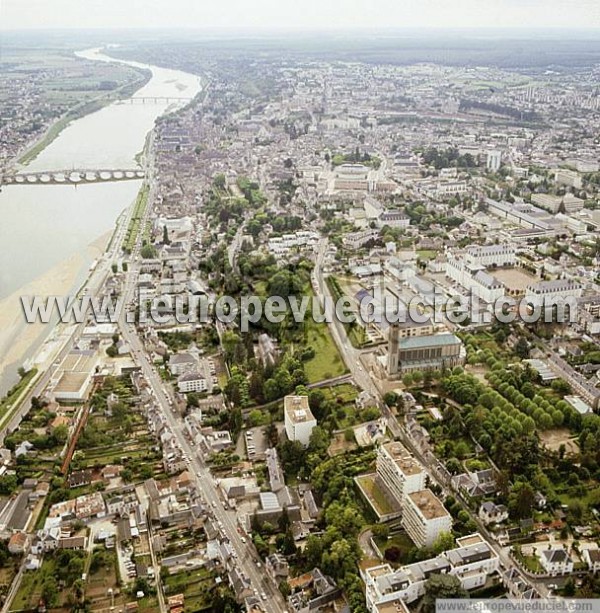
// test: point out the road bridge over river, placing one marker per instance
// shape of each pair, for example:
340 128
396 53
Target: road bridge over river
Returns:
70 176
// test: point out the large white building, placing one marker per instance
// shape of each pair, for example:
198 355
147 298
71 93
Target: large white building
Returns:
568 177
424 517
398 472
192 382
298 418
473 561
493 161
393 219
474 278
552 292
356 240
491 255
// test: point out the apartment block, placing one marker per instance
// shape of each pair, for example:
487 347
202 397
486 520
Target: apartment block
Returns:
473 561
424 517
398 472
299 420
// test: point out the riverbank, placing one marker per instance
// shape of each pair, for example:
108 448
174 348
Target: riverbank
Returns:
17 337
54 218
81 110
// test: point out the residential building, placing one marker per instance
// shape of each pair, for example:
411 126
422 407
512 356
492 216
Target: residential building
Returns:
356 240
398 472
298 418
592 559
491 513
181 363
570 178
393 219
556 561
424 517
311 592
490 256
493 161
192 382
472 562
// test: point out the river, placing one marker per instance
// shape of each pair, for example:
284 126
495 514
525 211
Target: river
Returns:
52 233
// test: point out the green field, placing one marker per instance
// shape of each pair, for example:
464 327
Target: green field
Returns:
327 362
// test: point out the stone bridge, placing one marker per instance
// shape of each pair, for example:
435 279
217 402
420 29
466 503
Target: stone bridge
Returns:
70 177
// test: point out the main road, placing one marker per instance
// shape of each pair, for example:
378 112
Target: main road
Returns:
245 553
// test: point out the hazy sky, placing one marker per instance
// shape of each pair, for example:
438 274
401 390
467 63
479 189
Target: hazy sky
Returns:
304 14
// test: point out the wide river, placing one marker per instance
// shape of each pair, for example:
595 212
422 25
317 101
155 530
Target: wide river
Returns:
52 233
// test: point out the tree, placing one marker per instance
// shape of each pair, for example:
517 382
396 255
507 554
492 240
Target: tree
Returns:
443 542
381 531
8 484
390 399
441 586
166 240
60 434
569 589
521 500
148 252
522 348
284 588
285 283
50 592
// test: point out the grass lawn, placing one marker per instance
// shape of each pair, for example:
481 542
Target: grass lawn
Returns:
426 254
531 563
327 362
197 587
375 495
400 541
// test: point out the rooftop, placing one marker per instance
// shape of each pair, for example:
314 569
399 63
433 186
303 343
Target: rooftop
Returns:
297 409
433 340
404 461
428 504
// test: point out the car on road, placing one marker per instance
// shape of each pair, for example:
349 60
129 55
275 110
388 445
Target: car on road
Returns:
243 539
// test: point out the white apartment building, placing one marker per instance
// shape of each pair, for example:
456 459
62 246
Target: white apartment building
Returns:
355 240
282 245
298 418
472 562
399 473
568 177
424 517
192 382
446 189
493 161
569 202
181 363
